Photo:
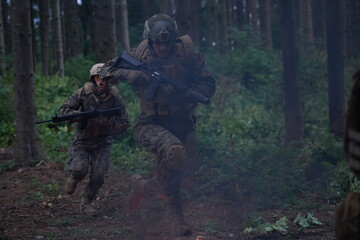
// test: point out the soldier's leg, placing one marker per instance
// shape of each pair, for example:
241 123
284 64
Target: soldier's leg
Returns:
77 166
172 160
99 165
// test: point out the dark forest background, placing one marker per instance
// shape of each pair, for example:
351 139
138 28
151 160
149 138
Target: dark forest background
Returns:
275 125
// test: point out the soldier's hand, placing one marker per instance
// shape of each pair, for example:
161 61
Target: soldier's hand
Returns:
136 76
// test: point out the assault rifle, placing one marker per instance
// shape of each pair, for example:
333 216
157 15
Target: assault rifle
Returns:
85 115
157 77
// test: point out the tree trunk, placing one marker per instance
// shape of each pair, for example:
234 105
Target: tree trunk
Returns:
254 16
222 16
168 7
6 19
44 33
2 45
58 37
148 8
104 29
180 12
240 18
293 118
27 144
122 24
195 32
308 24
212 25
87 22
335 65
265 22
182 17
319 23
72 29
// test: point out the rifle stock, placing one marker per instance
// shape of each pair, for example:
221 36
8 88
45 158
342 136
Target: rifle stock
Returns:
86 115
157 77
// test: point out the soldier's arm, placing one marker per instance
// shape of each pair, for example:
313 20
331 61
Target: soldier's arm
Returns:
113 74
204 82
72 104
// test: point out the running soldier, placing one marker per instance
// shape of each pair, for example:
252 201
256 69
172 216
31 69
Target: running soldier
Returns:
89 152
166 126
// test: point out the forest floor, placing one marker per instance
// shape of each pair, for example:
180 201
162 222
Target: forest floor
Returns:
33 206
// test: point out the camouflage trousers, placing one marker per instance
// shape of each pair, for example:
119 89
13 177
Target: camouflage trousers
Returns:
156 139
93 158
348 218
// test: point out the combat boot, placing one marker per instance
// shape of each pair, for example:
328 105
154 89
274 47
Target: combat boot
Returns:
181 228
87 209
137 193
70 185
141 189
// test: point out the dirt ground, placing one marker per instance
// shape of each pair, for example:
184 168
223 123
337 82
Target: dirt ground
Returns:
32 206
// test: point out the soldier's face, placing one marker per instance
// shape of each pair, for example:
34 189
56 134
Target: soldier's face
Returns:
162 49
100 84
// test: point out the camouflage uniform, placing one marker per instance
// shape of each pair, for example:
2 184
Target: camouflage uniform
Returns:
348 211
166 126
91 145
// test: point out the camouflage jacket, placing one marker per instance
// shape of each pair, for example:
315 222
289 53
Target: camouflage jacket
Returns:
88 98
191 70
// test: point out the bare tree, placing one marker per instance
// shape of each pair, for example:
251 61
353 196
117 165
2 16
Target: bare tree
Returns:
27 144
254 16
308 24
44 33
319 22
2 45
212 35
335 66
72 31
180 12
104 29
148 8
122 24
58 37
195 32
265 22
240 18
293 119
6 20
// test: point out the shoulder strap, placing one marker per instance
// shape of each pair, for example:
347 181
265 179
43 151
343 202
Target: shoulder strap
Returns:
185 48
89 87
141 48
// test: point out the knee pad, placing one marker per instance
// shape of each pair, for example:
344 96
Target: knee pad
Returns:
176 157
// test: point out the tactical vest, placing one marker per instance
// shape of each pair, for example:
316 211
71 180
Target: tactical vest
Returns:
180 66
100 126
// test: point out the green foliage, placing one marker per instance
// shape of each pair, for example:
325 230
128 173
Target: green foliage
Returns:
78 68
51 188
307 221
260 225
50 93
7 110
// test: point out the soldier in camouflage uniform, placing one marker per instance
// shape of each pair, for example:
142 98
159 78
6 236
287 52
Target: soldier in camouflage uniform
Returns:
166 126
90 147
348 211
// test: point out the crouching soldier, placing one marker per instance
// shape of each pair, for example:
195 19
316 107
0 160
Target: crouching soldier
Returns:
89 152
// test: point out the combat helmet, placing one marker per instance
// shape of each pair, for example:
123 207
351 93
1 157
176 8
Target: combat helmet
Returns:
160 28
95 70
